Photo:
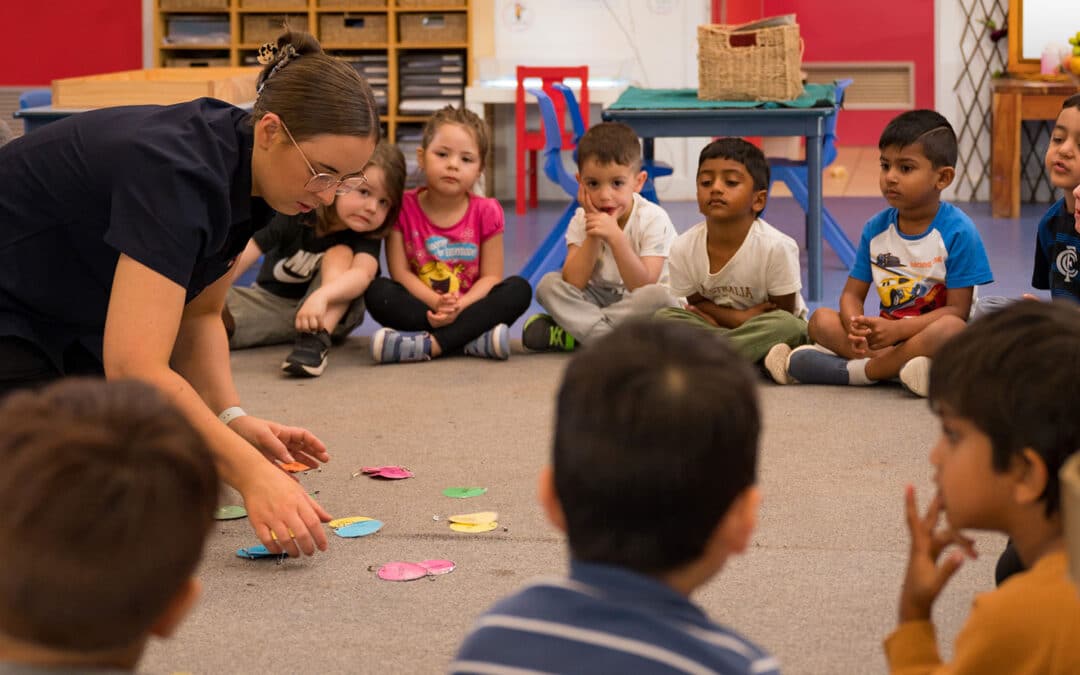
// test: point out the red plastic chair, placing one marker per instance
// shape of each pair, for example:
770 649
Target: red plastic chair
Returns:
533 141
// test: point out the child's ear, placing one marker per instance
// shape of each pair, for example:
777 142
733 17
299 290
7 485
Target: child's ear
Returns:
1032 477
639 182
420 158
177 609
760 197
945 177
549 499
739 522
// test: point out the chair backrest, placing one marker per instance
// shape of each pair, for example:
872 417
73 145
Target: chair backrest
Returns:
548 76
574 109
553 164
33 98
829 141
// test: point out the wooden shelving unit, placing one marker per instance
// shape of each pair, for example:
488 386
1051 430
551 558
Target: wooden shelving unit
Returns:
184 35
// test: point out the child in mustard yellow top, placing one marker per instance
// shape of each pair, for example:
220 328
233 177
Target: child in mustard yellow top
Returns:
1005 390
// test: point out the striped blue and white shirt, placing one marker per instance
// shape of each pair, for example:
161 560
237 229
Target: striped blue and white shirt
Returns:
604 619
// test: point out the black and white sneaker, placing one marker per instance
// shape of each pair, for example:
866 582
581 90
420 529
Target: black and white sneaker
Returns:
308 357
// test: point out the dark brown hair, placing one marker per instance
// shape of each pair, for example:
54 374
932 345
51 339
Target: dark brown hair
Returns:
610 143
315 93
106 498
467 119
389 158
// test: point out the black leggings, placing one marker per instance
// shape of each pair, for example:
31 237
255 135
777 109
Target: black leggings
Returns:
24 365
393 306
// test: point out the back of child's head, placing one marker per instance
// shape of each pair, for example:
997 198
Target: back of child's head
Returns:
315 93
1013 373
743 152
656 436
610 143
929 129
464 118
106 498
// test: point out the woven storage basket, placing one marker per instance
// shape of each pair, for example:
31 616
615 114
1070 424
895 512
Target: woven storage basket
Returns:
749 65
272 4
353 4
188 5
430 3
259 28
352 29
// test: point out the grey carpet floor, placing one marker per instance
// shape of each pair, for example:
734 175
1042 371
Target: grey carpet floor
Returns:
818 588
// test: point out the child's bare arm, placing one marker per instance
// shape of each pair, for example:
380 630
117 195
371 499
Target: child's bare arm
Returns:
491 271
346 275
247 258
580 261
635 271
727 317
400 272
784 302
886 332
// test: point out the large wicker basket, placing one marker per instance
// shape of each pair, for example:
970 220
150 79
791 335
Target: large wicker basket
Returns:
749 62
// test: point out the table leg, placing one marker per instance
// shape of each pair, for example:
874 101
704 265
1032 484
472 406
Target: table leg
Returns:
1005 156
813 217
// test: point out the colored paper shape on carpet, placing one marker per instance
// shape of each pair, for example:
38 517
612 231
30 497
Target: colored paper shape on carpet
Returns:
402 571
258 551
438 567
295 467
473 528
342 522
390 472
478 518
360 528
464 492
230 512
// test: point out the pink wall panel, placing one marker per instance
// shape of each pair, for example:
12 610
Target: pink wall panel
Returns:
49 39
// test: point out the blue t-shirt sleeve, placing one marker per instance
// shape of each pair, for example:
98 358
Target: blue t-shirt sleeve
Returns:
967 264
860 269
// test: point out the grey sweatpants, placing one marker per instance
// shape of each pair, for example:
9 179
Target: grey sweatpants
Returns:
590 313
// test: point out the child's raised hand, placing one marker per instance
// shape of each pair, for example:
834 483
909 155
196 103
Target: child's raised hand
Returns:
925 578
309 318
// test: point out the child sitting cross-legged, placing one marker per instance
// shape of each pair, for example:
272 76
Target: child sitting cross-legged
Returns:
1006 391
106 498
616 248
653 481
924 258
740 276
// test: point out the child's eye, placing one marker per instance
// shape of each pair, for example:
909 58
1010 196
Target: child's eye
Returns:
1056 139
440 153
906 169
618 183
591 184
466 158
884 166
732 183
363 192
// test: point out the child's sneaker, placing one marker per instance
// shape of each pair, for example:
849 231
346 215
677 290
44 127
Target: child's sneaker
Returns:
308 357
391 346
814 364
541 334
494 344
776 362
915 375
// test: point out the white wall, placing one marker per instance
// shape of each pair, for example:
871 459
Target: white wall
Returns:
651 43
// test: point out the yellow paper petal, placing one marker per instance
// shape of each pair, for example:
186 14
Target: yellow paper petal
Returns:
475 518
473 527
342 522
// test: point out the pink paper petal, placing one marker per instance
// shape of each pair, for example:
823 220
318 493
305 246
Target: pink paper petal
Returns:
436 567
401 571
394 472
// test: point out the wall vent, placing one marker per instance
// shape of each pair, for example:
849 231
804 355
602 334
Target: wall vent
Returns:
878 85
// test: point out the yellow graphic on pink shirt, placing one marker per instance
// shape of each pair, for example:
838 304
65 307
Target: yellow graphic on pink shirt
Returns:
440 277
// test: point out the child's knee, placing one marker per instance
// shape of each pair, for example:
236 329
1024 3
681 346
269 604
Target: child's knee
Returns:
520 291
547 285
823 322
653 297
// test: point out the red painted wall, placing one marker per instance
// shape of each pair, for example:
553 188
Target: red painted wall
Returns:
50 39
857 30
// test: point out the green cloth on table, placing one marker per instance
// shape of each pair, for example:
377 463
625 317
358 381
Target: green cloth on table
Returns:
635 98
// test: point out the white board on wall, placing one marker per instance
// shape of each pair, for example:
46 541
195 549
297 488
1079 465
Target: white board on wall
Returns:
1048 22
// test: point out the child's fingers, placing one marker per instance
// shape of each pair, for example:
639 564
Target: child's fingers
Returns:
945 571
911 515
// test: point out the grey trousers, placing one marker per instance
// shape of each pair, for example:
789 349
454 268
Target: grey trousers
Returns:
263 318
591 313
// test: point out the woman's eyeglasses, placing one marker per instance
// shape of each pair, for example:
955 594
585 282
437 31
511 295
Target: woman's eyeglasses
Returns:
320 182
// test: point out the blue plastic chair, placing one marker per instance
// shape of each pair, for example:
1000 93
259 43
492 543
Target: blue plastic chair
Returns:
35 98
793 173
551 253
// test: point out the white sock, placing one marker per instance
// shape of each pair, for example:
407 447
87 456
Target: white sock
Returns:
856 369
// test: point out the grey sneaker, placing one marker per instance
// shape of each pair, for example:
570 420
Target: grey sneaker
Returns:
776 362
541 334
494 344
915 375
391 346
308 357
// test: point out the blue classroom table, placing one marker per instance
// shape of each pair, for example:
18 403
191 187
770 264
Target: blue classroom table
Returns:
655 113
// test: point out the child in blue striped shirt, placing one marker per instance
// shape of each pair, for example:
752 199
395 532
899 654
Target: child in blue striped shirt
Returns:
653 481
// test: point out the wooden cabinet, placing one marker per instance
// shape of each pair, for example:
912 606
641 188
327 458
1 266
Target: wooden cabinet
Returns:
415 53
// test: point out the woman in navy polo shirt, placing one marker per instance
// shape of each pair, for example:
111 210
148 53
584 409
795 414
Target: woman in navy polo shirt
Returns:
118 228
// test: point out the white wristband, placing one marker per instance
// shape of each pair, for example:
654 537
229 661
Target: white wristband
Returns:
229 414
